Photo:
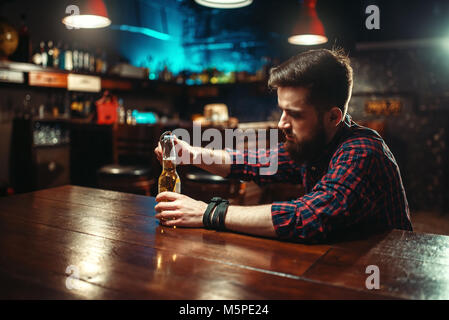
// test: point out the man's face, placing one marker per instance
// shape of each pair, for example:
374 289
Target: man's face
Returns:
301 123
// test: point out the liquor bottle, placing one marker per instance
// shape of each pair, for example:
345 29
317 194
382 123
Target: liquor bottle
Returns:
61 59
37 57
44 55
91 62
56 55
68 59
86 62
98 61
75 58
104 66
169 178
129 117
50 54
121 112
80 59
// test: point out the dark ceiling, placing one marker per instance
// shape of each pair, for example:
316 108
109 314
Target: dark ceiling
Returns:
265 24
344 20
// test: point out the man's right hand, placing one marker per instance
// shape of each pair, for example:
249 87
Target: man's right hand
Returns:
185 152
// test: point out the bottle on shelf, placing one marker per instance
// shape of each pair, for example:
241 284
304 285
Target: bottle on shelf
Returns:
133 117
104 67
121 112
80 59
68 58
75 58
87 108
129 117
92 63
75 105
37 57
61 57
56 55
50 54
98 62
86 61
44 54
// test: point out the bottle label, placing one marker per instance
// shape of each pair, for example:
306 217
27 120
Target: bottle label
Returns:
44 58
68 61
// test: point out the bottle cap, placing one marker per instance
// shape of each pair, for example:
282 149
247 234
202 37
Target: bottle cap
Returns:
168 146
167 135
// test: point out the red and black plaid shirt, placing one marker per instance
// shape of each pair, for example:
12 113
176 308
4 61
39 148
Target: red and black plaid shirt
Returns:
353 189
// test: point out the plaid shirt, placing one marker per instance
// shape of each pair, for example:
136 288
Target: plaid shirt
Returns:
352 190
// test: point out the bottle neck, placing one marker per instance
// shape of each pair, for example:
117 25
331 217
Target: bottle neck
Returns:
168 165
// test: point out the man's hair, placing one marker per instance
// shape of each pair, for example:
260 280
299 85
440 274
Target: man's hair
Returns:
326 73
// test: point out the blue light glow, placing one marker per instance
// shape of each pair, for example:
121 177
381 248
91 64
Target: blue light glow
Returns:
213 46
144 117
145 31
181 46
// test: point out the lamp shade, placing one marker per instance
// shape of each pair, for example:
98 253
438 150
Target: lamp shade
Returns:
309 29
224 4
93 14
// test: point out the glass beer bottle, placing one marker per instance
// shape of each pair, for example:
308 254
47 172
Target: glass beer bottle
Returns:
169 178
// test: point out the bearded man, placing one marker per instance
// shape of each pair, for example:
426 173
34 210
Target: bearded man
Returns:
351 179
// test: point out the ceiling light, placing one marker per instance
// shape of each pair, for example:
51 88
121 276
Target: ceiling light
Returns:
309 29
224 4
93 15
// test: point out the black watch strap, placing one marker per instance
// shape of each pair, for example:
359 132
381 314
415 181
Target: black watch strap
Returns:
210 207
215 216
222 210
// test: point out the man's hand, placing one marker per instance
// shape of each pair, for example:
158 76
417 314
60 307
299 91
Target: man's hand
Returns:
174 209
185 152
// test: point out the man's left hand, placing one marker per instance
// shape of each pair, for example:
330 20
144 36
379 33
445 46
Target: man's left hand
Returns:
174 209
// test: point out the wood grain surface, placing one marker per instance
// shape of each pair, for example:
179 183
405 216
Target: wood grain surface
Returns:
119 251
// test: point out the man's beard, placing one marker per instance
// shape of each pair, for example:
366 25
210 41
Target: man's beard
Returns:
307 150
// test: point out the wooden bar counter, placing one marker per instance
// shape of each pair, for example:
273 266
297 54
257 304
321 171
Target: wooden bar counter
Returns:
80 243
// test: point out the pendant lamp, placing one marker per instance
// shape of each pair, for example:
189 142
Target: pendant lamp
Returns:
309 29
92 14
224 4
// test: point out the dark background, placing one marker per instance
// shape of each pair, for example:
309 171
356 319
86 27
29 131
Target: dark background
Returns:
406 59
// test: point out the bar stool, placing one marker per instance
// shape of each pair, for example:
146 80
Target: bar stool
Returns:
131 179
202 185
135 168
